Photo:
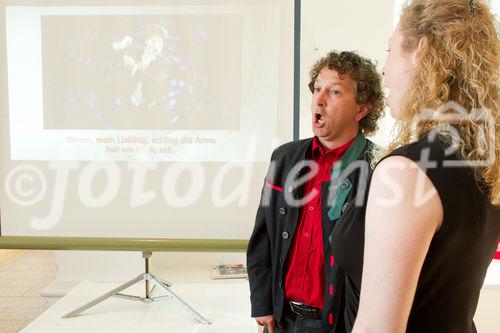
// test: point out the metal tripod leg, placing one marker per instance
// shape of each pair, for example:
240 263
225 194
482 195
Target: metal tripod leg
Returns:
166 287
104 297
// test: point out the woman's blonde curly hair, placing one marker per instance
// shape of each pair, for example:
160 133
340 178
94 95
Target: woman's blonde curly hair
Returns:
458 66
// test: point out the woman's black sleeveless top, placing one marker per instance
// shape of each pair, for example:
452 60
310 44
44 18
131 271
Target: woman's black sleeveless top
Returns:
460 252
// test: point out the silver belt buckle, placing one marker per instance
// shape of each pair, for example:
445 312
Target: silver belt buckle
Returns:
293 304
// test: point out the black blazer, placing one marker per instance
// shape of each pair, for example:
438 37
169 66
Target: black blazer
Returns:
276 221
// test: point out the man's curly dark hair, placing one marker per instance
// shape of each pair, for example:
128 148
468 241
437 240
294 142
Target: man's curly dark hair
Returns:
367 80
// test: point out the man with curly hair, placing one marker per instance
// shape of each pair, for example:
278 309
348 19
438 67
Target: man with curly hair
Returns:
313 186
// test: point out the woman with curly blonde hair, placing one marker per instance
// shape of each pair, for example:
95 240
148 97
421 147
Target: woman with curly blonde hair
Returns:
418 262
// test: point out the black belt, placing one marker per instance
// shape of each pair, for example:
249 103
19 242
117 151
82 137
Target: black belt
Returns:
303 310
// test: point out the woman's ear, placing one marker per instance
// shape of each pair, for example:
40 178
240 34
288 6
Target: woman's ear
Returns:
421 47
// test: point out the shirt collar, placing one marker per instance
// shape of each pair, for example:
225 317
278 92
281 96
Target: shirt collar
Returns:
320 151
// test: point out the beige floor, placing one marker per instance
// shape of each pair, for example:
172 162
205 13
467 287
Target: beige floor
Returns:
22 275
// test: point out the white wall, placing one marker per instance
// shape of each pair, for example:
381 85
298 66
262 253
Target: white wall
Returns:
358 25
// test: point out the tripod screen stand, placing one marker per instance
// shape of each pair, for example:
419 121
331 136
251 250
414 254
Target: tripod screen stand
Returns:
152 283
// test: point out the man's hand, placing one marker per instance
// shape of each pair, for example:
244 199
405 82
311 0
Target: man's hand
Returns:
267 321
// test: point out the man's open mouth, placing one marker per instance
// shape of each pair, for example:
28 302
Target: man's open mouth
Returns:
319 120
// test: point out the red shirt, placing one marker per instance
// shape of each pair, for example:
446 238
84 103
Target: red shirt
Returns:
305 278
497 254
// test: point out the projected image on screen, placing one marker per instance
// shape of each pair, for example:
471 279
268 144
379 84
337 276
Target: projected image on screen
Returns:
141 72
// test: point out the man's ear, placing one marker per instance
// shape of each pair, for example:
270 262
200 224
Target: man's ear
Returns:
363 111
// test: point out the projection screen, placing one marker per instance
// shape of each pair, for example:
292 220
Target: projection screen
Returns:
141 119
